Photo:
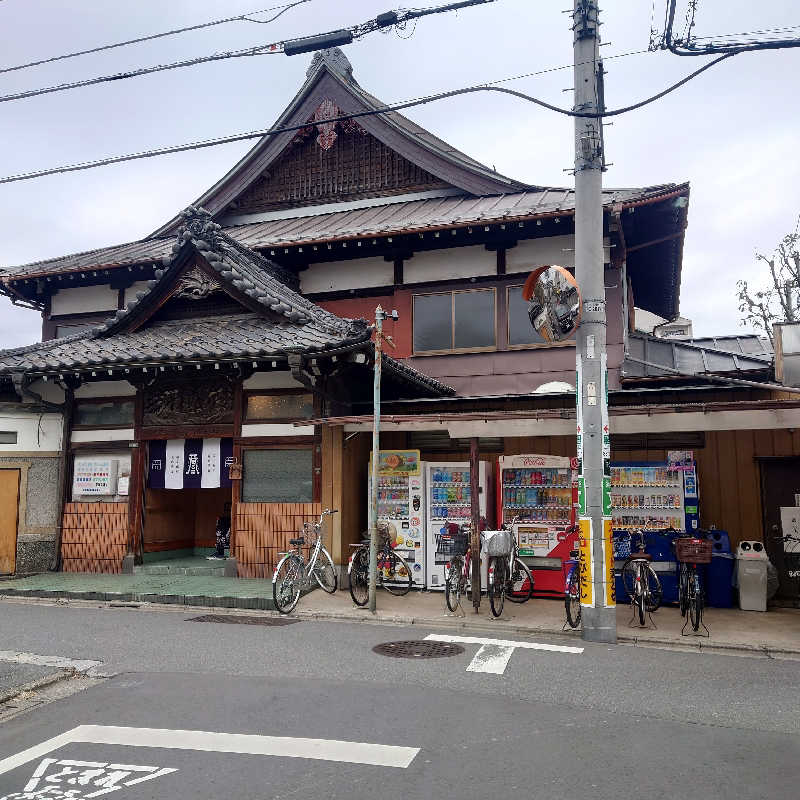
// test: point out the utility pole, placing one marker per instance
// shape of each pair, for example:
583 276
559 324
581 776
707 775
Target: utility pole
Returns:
594 451
380 314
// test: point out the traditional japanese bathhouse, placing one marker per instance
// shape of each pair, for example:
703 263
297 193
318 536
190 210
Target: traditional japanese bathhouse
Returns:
226 356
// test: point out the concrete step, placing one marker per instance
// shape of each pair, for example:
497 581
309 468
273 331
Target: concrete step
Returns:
210 571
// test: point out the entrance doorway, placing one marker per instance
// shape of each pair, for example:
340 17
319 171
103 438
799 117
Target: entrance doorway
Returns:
183 522
780 482
9 513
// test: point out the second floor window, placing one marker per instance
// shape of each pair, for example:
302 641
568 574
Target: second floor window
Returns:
455 321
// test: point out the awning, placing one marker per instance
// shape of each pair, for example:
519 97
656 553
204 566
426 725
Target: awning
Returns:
190 464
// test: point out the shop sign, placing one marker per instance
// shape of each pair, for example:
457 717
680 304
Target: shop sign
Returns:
585 562
610 594
554 462
606 496
397 462
95 476
581 496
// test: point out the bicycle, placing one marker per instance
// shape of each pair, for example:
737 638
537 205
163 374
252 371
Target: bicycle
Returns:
394 572
454 544
572 584
292 574
690 551
506 570
640 580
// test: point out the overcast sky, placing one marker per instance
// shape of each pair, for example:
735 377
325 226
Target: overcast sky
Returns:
732 132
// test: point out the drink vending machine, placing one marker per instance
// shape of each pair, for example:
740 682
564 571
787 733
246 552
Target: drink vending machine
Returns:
654 496
449 499
401 504
539 490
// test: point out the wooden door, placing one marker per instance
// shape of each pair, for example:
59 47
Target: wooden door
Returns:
9 510
780 481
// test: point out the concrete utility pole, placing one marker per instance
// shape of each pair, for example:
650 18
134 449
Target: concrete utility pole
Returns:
594 451
380 315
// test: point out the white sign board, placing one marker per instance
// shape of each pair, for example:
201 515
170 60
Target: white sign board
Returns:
790 526
95 476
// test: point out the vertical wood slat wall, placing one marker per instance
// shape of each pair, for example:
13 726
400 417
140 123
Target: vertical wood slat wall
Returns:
94 537
263 531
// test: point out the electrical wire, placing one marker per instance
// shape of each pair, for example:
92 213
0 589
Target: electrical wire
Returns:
101 48
381 22
356 115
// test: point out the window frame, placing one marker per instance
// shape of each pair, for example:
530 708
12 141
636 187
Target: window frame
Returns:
532 345
452 349
280 445
100 401
246 395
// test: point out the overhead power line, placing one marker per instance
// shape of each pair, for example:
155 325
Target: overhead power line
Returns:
239 18
239 137
304 44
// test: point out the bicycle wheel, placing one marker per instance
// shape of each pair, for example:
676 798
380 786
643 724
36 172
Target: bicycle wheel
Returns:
454 584
629 577
497 584
641 607
397 578
287 581
683 589
654 594
359 577
520 583
324 572
695 602
572 599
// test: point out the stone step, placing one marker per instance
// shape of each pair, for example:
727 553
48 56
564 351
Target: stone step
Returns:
165 569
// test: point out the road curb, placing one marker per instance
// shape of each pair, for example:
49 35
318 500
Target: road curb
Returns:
32 686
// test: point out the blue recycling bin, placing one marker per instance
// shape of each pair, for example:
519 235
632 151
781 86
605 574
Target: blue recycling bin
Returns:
720 541
719 580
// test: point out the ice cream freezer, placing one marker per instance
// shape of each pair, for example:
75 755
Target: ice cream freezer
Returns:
401 504
535 498
449 499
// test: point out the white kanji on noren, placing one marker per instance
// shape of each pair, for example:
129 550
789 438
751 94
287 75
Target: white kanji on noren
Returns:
66 779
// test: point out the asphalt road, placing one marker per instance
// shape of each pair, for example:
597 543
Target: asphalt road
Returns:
607 723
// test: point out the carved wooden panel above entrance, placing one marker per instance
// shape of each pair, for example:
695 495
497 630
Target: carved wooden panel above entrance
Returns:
188 403
333 162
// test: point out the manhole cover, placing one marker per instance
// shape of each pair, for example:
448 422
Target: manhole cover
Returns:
417 649
233 619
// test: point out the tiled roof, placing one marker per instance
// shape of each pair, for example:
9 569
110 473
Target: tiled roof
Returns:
669 357
380 220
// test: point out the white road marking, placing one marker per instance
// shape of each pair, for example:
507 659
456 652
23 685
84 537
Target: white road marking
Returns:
494 654
50 661
379 755
491 658
554 648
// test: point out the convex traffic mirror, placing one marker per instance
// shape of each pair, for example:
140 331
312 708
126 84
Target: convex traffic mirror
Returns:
554 302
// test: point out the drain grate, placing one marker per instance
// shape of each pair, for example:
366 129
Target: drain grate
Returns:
234 619
417 649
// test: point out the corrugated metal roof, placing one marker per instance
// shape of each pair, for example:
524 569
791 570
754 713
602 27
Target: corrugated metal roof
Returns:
745 345
668 357
395 218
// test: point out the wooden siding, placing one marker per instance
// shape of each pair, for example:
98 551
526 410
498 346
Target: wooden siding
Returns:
94 537
357 165
263 531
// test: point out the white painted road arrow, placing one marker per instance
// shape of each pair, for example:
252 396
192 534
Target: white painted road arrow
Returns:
494 654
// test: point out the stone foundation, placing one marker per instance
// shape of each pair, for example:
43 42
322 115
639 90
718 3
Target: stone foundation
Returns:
34 554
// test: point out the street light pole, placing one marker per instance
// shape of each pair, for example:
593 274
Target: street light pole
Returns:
380 315
593 441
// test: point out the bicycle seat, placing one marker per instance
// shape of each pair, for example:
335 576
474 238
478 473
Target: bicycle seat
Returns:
297 541
641 556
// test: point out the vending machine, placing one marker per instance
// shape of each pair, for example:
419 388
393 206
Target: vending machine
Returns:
449 499
539 491
401 504
654 496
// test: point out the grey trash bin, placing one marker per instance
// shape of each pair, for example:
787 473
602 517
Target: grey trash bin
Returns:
751 575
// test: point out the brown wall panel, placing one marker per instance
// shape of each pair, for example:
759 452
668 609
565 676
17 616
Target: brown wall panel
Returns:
95 537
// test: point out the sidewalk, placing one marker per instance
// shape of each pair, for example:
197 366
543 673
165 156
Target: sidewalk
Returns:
774 633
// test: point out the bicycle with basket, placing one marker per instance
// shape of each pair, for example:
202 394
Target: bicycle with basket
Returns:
691 550
453 545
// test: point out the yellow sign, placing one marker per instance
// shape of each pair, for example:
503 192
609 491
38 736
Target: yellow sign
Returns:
398 462
608 565
585 562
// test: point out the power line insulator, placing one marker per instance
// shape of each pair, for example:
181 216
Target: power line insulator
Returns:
323 41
